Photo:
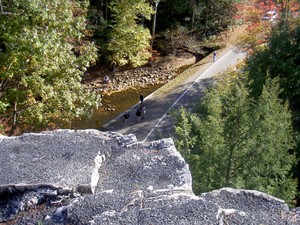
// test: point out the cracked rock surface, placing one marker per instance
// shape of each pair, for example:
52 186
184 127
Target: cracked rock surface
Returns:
93 177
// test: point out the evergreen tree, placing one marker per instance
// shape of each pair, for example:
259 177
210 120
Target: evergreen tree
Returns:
274 140
281 57
233 140
44 55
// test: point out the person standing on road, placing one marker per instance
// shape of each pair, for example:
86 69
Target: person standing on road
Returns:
141 98
126 116
138 113
143 111
215 56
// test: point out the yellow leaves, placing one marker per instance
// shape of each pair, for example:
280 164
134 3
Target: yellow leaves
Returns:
30 100
129 40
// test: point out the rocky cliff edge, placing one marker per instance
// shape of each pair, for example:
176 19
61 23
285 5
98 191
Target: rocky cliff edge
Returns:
93 177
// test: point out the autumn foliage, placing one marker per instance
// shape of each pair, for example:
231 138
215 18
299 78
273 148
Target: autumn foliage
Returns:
257 15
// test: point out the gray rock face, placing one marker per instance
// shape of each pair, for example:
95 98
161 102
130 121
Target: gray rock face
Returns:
92 177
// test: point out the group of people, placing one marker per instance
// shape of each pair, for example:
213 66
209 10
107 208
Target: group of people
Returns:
140 111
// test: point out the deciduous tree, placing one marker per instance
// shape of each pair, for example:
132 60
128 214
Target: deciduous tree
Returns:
44 55
129 41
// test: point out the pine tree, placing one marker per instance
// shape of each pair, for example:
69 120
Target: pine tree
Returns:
233 140
274 139
280 58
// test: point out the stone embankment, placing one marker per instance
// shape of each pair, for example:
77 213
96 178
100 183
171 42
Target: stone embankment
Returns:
93 177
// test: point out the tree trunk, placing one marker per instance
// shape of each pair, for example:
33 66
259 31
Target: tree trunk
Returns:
14 122
206 17
193 7
105 13
154 23
1 7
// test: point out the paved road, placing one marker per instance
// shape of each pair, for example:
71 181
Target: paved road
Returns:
158 123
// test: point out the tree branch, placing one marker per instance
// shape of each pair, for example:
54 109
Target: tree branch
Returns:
2 11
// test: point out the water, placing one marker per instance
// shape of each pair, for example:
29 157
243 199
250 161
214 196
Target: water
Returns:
114 104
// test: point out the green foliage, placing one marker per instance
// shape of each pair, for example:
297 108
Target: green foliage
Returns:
233 140
44 58
206 17
274 139
214 16
172 13
129 41
121 28
99 26
281 57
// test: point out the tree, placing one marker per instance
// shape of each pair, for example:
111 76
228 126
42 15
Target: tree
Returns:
44 56
281 58
214 16
288 7
233 140
257 30
156 2
1 7
205 17
129 41
260 22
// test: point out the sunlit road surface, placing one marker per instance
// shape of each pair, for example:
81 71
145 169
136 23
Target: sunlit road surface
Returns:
158 122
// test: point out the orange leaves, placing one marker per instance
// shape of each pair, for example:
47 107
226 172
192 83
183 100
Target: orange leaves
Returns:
266 5
258 29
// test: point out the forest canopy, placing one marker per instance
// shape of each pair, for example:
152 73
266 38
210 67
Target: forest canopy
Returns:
44 55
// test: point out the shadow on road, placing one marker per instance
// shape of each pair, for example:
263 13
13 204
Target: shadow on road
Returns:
158 107
158 123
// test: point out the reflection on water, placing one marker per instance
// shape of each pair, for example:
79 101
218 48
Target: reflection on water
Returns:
114 104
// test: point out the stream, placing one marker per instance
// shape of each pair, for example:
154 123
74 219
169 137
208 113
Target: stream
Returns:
114 104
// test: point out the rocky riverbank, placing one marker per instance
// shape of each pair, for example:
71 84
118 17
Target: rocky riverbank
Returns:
160 71
127 84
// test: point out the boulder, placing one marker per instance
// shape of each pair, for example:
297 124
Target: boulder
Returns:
93 177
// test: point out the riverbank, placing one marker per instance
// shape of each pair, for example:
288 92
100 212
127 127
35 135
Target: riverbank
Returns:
126 84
